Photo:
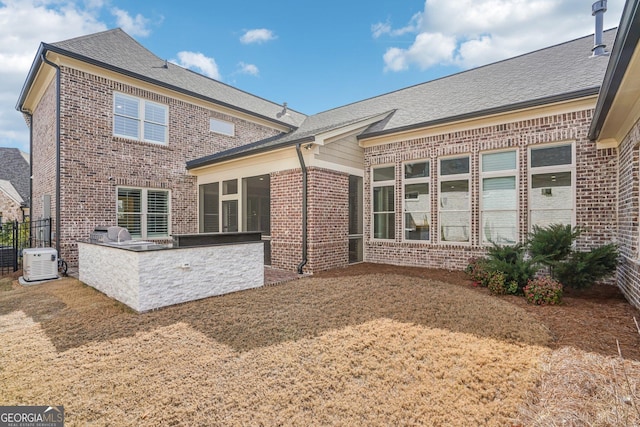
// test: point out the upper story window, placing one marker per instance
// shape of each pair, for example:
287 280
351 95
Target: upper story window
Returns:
222 127
455 209
417 202
137 118
384 202
552 182
499 208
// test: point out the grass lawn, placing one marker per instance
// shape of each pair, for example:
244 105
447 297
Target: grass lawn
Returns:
385 346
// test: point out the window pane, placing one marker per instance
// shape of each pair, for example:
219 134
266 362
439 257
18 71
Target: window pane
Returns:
545 218
499 227
454 195
417 206
560 179
126 106
229 216
157 225
454 226
130 210
154 132
158 202
505 160
230 187
551 156
499 193
383 199
383 225
355 249
209 199
551 199
454 166
257 204
416 170
384 174
155 113
355 204
125 126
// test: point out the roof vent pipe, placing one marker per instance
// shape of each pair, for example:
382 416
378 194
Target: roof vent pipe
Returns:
598 9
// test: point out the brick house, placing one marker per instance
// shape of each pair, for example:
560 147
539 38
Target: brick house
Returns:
14 185
423 176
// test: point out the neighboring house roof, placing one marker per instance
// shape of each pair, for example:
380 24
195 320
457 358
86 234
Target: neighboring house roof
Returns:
117 51
558 73
10 190
14 168
624 48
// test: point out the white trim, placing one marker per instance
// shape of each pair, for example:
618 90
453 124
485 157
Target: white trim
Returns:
421 180
506 173
387 183
144 209
455 177
225 127
141 120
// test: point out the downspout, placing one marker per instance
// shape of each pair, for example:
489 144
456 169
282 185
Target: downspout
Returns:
304 209
46 61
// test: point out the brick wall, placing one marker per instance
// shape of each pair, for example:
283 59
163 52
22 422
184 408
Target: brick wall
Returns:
9 208
628 211
286 219
94 162
596 178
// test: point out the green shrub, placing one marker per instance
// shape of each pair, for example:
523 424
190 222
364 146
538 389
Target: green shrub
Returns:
513 263
552 244
582 269
543 291
496 283
477 269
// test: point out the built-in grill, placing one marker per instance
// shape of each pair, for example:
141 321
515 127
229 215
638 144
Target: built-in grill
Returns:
110 235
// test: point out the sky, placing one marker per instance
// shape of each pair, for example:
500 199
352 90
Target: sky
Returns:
313 55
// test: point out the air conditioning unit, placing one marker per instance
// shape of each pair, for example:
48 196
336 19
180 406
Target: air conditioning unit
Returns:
39 264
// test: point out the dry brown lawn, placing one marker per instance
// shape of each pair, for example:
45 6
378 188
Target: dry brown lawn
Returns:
369 345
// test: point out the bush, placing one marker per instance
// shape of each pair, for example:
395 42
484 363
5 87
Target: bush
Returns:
499 286
477 269
552 244
543 291
512 262
582 269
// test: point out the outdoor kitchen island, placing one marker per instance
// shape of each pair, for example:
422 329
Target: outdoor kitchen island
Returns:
147 275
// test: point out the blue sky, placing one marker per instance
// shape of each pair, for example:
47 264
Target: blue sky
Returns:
312 55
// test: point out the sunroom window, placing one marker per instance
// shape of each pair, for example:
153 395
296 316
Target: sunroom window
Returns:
499 214
417 201
384 202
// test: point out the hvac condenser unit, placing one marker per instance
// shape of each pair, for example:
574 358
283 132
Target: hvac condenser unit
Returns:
39 264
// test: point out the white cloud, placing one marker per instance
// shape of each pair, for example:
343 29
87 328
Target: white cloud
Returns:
469 33
23 25
250 69
135 26
198 62
259 35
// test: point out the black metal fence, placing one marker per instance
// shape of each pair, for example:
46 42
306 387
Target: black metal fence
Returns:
16 236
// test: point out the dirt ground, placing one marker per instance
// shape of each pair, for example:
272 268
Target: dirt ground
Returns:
366 345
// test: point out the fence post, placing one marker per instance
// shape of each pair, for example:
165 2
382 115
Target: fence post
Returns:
15 245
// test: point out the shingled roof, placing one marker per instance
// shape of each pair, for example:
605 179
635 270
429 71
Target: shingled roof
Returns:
562 72
117 51
14 168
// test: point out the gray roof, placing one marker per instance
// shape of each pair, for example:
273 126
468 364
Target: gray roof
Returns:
117 51
15 169
561 72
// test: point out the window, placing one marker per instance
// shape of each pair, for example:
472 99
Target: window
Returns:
499 208
383 203
356 249
455 213
256 202
417 202
136 118
230 206
144 212
222 127
551 178
209 208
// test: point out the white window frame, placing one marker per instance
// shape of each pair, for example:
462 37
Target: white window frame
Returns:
229 197
144 210
454 177
386 183
505 173
222 127
141 120
409 181
552 169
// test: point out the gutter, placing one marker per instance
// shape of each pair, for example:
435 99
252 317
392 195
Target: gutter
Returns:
58 198
304 209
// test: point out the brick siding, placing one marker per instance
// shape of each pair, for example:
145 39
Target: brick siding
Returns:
595 181
94 162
